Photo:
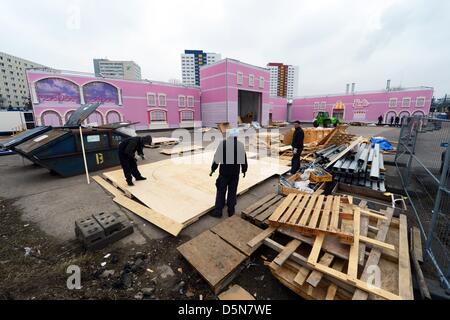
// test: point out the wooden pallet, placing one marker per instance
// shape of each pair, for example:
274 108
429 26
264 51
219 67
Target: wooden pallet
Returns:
315 274
314 215
259 212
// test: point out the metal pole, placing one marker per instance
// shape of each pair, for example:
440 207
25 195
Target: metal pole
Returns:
84 156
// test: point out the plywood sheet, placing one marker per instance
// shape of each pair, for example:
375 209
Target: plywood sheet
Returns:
236 293
212 257
237 232
181 188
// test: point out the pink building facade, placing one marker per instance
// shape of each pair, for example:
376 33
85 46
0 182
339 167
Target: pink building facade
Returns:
153 105
231 88
365 106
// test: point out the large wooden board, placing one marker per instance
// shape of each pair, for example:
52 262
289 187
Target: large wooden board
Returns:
236 293
213 258
181 188
237 232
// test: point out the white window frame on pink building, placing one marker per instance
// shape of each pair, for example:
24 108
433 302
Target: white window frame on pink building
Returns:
396 103
159 100
240 78
403 104
190 99
181 101
424 100
151 94
251 80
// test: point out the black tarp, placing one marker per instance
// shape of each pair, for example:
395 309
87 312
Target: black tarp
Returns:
27 135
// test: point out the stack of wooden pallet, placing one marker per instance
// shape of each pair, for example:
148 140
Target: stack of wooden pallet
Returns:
163 141
336 250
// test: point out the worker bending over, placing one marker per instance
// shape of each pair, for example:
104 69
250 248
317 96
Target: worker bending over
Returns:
297 147
128 161
230 154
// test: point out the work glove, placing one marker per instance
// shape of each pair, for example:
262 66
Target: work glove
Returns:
211 173
135 159
244 174
142 157
295 151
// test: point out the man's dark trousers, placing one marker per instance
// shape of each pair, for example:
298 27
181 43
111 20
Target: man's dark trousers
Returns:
295 164
224 183
129 167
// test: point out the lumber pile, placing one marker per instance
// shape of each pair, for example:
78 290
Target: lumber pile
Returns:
162 141
315 264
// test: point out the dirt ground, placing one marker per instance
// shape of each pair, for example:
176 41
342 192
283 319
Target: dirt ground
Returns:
33 265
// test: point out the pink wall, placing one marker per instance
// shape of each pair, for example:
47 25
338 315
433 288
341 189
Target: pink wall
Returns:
365 106
134 106
278 108
220 89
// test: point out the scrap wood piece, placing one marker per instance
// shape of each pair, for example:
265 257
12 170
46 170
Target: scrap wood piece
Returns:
215 259
416 244
405 287
280 210
363 232
259 239
287 251
352 270
236 292
159 220
338 265
317 246
107 186
423 287
259 203
301 275
315 276
375 253
377 243
263 216
181 149
237 232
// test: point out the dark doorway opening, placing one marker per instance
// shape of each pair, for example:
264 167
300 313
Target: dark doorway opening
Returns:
249 106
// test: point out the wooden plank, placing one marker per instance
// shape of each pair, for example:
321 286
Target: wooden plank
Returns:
326 214
159 220
107 186
301 275
338 265
263 216
237 232
334 222
315 276
236 292
265 206
181 188
353 258
280 210
299 210
181 149
375 254
373 214
259 203
363 232
315 217
213 258
286 216
405 288
317 246
377 243
258 240
417 244
304 220
287 251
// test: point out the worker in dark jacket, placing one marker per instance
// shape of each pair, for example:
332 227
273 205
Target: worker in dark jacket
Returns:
231 156
297 147
128 161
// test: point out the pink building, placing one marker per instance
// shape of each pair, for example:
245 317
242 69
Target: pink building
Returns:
365 106
154 105
231 88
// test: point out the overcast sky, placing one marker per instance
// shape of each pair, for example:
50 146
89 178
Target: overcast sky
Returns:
332 42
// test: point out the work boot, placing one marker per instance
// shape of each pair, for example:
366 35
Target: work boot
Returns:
141 178
230 212
216 214
130 183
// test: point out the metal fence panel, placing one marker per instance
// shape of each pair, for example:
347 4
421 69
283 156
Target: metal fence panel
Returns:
422 161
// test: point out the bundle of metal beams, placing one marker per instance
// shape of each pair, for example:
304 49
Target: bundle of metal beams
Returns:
329 154
362 166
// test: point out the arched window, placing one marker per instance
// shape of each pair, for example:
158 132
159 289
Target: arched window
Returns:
186 115
418 113
68 114
95 118
390 115
102 92
57 90
113 117
157 116
51 118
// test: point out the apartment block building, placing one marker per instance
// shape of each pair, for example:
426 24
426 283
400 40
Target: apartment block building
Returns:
283 80
127 70
191 61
